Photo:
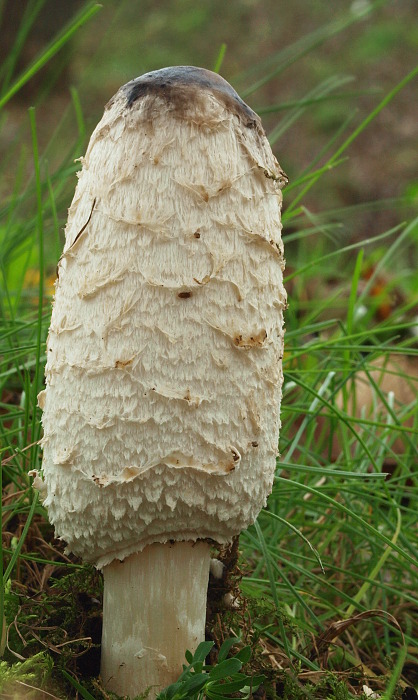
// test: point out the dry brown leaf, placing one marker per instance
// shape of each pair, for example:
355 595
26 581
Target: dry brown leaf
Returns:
337 628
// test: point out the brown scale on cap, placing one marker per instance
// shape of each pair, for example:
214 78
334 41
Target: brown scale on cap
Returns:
182 86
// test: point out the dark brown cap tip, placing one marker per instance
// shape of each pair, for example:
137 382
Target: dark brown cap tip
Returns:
178 85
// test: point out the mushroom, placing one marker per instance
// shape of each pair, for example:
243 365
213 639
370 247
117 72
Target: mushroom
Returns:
163 376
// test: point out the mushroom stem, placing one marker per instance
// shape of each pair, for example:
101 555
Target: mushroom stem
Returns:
154 608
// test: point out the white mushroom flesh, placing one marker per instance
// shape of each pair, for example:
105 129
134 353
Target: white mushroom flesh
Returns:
164 355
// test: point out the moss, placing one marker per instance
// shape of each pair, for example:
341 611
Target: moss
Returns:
34 672
65 618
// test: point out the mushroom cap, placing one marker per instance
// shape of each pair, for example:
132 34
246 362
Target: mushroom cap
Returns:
163 377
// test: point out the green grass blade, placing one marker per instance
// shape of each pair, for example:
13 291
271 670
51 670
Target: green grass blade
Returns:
79 20
30 14
297 532
74 682
396 674
22 538
358 130
40 227
321 90
339 506
295 51
353 246
376 569
220 58
273 588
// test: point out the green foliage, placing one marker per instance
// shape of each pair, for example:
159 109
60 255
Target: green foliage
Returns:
33 672
63 38
78 686
199 681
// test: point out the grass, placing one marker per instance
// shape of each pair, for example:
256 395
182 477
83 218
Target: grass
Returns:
325 583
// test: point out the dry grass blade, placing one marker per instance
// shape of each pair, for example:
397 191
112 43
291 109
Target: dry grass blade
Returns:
336 629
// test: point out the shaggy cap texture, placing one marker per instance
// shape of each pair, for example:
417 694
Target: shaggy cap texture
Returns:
163 378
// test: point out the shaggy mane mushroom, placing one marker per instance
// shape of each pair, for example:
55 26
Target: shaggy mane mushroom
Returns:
163 377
